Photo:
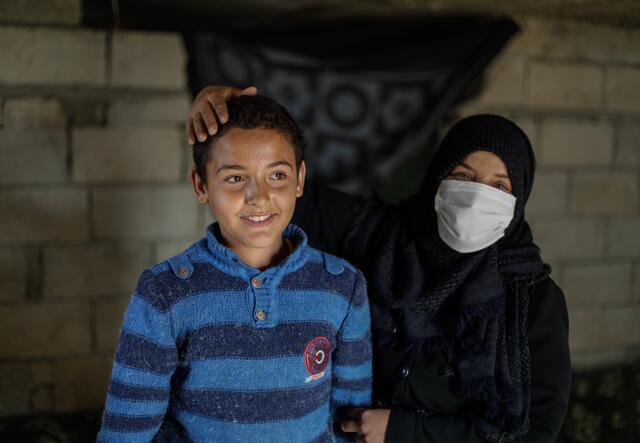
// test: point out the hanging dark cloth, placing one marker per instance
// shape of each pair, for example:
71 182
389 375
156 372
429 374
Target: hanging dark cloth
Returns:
369 93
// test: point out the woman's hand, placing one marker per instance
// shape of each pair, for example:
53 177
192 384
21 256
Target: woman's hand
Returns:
369 425
210 103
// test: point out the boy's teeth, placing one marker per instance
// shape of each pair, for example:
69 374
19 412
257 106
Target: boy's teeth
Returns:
258 218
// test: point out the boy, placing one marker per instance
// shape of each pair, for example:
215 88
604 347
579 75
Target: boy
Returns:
249 334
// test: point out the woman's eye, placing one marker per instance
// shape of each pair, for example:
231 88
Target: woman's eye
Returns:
461 175
503 187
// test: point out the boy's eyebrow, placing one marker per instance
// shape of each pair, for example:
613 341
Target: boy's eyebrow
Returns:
279 163
232 167
242 168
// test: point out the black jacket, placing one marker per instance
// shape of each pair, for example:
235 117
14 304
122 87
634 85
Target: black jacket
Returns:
416 387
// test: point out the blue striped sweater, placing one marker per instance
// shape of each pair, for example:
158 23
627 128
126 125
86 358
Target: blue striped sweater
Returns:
213 350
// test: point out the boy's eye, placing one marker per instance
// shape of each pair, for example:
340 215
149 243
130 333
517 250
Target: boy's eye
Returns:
233 179
278 175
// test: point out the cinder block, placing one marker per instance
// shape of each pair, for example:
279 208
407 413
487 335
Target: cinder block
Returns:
623 89
81 383
584 329
33 156
562 85
164 110
623 237
131 155
546 37
597 283
148 60
42 330
598 359
605 192
636 283
504 82
569 238
620 326
549 194
43 214
604 43
13 274
25 387
628 146
168 211
86 110
52 56
34 112
530 128
64 12
93 270
575 142
42 395
109 317
167 249
15 383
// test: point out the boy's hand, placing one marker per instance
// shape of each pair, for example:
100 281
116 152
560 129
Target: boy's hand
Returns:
369 425
210 103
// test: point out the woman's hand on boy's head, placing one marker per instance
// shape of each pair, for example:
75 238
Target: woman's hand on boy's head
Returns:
209 107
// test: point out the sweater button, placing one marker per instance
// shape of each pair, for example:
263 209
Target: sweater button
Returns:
256 282
260 315
184 272
404 372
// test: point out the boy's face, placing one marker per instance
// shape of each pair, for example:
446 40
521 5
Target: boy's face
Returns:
251 187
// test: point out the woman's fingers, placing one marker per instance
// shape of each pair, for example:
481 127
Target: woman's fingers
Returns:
189 132
251 90
218 99
199 128
350 426
209 109
210 122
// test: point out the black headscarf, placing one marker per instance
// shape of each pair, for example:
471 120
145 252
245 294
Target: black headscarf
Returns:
473 305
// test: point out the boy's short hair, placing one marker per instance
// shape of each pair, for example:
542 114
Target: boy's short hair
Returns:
252 112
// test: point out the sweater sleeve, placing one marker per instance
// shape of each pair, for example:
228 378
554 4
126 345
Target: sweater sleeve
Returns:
351 363
550 382
146 357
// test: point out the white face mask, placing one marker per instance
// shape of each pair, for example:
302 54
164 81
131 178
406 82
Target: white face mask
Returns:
472 216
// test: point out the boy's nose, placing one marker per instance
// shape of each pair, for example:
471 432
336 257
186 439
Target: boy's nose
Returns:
256 195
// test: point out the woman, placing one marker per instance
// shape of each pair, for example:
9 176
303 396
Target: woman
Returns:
470 332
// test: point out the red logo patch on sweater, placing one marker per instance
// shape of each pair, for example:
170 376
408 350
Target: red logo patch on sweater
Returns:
316 357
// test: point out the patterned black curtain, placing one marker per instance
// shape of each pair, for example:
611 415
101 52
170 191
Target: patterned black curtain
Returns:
370 95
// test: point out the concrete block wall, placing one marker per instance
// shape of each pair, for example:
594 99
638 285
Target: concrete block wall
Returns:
575 89
93 189
93 185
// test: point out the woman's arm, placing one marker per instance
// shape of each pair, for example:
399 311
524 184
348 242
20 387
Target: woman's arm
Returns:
550 362
327 216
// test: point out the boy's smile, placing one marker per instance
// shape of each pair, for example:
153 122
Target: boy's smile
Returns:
251 187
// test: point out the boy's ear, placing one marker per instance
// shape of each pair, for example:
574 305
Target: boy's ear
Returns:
200 187
302 172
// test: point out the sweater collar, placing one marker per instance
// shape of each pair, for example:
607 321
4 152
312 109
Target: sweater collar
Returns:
227 260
